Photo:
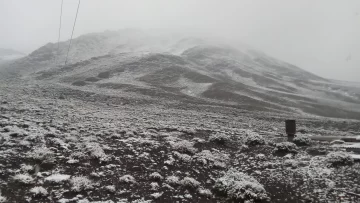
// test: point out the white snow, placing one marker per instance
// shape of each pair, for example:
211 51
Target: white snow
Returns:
57 178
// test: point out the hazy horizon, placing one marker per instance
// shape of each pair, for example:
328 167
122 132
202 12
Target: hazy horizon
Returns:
320 37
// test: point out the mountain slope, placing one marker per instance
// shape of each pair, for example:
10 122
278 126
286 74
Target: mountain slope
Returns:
9 54
174 69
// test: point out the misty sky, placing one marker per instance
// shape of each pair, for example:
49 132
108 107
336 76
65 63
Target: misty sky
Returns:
320 36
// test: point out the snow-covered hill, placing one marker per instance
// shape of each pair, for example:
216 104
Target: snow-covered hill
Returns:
176 68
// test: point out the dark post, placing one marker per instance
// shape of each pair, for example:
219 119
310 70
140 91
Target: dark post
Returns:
290 128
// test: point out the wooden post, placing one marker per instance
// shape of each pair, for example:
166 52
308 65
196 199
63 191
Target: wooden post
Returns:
290 128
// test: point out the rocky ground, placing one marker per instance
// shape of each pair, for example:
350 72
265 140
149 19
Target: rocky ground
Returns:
65 145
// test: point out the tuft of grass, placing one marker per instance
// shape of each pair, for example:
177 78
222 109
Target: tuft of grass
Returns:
95 151
190 183
254 139
127 179
156 176
154 186
205 192
302 140
220 138
81 183
43 154
172 180
184 146
39 191
24 178
285 147
237 186
110 188
2 198
339 159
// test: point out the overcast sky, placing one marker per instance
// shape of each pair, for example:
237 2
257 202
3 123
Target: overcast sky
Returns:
321 36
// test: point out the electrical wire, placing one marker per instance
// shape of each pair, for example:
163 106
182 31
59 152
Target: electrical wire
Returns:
58 43
67 54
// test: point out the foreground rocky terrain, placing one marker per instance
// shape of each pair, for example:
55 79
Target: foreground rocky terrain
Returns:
74 147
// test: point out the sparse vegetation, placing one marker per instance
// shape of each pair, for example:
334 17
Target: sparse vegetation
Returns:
24 178
184 146
238 186
115 140
189 182
156 176
81 183
39 191
43 154
127 179
339 159
302 140
254 139
220 138
172 180
286 147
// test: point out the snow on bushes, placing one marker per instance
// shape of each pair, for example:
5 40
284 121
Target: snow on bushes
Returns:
182 157
189 182
285 147
57 178
214 158
154 186
81 183
43 154
238 186
127 179
302 140
205 192
220 138
2 198
155 176
184 146
26 168
339 159
156 195
95 151
172 180
110 188
39 191
254 139
24 178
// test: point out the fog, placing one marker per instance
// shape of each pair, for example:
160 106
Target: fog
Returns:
319 36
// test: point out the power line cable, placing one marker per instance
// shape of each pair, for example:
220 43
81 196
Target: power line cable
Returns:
67 54
58 44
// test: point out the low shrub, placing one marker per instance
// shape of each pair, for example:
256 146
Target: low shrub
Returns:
81 183
339 159
39 191
302 140
127 179
190 183
254 139
184 146
220 138
237 186
285 147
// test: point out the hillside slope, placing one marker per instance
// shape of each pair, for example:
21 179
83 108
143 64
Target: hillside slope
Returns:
174 69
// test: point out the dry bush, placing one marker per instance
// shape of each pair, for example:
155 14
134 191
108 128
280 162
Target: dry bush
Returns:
237 186
220 138
81 183
285 147
302 140
254 139
339 159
